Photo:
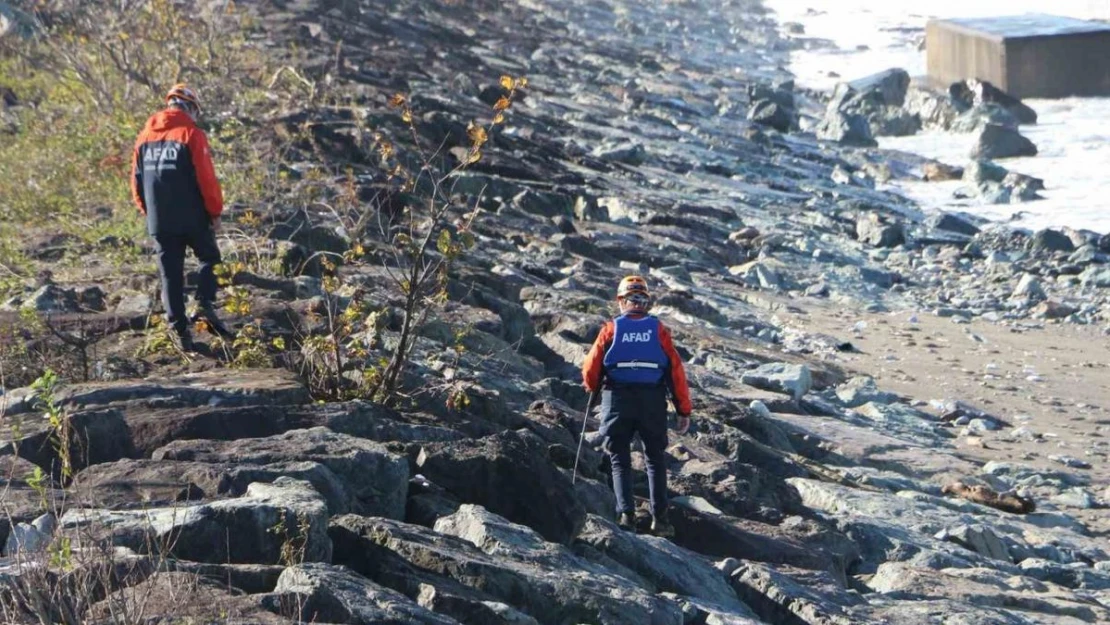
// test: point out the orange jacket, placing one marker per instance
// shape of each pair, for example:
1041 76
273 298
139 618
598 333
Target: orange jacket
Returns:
593 368
173 182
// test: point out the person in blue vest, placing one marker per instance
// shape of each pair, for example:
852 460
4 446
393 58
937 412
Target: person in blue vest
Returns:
633 362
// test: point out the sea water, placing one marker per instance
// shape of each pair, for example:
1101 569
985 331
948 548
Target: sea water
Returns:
849 39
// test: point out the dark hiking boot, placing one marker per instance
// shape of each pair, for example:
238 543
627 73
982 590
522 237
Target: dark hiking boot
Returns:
627 521
661 526
207 314
182 340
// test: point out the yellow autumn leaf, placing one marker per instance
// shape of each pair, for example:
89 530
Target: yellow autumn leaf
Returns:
477 134
498 119
506 82
502 104
522 82
406 116
474 156
397 100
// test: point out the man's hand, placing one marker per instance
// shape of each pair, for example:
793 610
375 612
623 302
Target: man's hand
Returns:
683 424
217 224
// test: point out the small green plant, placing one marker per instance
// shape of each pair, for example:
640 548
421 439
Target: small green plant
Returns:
38 481
46 389
250 349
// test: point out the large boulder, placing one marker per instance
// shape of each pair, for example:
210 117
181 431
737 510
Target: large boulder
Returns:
720 536
768 113
987 588
324 593
515 565
268 523
846 129
994 141
376 478
797 597
972 93
216 387
780 377
977 117
878 99
861 390
158 483
934 110
667 566
509 474
94 436
875 232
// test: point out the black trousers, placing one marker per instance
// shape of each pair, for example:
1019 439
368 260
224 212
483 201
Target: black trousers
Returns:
171 268
625 412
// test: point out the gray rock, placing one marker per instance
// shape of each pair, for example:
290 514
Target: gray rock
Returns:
953 223
1096 277
262 522
978 426
889 86
975 118
978 171
376 478
619 211
217 387
544 580
134 304
307 287
772 114
1029 288
1075 498
935 110
987 589
781 94
1050 309
846 129
794 380
669 567
1052 241
976 93
1022 188
1068 576
994 141
1070 461
895 122
977 538
324 593
872 231
502 473
30 538
587 209
1087 254
776 597
52 299
628 153
861 390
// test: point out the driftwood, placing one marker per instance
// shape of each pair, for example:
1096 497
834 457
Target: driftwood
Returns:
1008 502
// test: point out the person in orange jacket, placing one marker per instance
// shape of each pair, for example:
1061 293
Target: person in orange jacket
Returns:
633 362
174 185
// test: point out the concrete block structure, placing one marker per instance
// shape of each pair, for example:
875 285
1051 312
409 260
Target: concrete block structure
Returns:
1028 56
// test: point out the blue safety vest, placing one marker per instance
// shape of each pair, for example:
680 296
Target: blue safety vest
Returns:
636 356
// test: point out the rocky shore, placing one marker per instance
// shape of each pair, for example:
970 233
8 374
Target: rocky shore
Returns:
818 486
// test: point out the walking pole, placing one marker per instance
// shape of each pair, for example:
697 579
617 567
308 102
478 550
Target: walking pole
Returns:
582 437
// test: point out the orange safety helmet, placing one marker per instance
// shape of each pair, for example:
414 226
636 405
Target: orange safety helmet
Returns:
632 285
183 93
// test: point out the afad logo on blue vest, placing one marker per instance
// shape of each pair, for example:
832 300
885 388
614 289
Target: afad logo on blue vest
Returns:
636 355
